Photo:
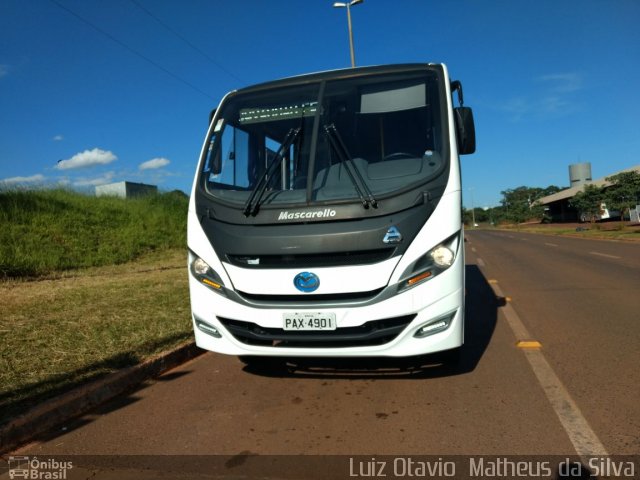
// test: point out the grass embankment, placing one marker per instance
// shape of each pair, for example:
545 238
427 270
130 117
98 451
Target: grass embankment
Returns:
73 325
49 231
605 231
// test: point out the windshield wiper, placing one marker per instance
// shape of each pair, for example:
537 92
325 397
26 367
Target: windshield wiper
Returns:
253 203
340 148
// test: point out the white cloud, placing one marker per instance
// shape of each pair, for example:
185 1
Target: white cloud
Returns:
63 181
89 182
556 104
517 106
154 163
562 82
32 179
88 158
555 97
58 138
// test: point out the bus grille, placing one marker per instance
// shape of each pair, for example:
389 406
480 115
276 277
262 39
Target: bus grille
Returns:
376 332
335 259
319 299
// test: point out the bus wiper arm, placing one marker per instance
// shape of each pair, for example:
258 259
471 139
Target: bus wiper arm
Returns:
345 158
253 203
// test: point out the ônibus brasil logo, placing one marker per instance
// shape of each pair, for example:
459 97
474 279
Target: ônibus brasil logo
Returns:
307 215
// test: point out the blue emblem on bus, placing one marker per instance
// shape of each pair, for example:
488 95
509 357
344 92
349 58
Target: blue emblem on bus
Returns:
306 282
393 235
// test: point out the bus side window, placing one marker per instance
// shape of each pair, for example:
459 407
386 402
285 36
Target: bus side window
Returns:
230 162
213 164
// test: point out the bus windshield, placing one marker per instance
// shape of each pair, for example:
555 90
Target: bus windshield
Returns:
332 141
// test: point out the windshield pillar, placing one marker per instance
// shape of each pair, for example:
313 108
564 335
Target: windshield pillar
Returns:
314 142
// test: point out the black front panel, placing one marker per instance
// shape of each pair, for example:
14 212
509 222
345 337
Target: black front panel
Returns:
312 260
376 332
329 243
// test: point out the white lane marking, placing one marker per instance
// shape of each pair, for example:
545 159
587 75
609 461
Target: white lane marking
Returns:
583 438
604 255
551 245
480 262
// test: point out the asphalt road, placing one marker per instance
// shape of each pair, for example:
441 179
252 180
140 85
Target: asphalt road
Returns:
581 300
578 298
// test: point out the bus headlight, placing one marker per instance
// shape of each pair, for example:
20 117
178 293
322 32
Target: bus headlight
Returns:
200 267
205 274
442 256
432 263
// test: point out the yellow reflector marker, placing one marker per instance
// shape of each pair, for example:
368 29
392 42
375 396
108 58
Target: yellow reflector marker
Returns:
528 344
211 284
417 278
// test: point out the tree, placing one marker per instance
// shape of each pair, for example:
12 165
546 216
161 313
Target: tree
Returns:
479 214
624 191
550 190
588 202
520 204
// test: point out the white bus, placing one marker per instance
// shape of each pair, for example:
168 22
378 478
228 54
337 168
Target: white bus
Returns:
325 217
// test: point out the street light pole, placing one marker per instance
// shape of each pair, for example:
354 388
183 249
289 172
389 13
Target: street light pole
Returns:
353 56
473 207
348 6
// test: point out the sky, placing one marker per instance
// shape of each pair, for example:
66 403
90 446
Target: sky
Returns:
95 92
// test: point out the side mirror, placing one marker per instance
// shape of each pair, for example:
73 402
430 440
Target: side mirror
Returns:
465 130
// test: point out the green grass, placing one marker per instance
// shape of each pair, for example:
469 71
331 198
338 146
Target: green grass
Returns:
56 334
87 286
45 231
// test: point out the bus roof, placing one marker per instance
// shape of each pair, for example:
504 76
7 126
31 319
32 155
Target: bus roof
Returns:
336 74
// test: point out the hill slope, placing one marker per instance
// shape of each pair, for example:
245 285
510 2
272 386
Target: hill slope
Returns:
44 231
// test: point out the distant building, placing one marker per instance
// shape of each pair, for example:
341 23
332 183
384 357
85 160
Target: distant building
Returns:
580 174
557 205
125 190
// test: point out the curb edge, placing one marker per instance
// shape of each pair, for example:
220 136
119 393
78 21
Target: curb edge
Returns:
80 400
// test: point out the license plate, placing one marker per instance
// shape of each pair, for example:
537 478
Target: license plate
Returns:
309 321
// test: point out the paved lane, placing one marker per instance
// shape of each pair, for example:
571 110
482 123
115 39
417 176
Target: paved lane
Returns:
579 298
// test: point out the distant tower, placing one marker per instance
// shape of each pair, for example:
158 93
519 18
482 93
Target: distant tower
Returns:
579 174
